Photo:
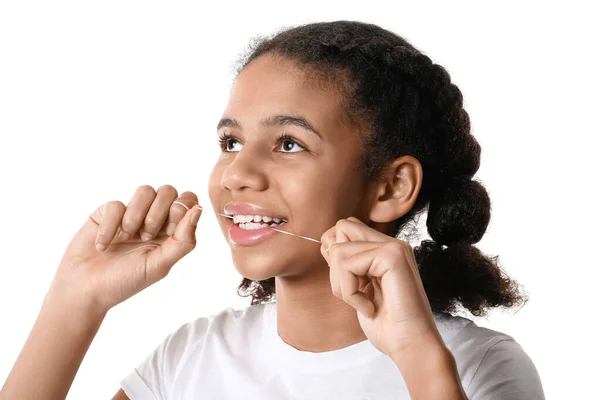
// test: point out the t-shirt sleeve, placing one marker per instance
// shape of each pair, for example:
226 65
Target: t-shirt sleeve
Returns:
505 372
152 379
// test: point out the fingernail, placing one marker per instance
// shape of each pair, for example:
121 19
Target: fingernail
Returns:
123 236
195 217
100 247
146 236
171 228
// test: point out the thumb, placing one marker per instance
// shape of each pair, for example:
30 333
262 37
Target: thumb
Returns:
160 260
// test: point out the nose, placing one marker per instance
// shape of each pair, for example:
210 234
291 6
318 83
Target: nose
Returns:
245 171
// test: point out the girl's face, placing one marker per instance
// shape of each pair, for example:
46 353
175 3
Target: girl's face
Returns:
286 154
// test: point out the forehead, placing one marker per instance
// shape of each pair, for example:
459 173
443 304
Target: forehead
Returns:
271 84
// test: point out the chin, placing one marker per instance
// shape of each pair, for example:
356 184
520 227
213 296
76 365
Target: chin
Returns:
259 265
256 265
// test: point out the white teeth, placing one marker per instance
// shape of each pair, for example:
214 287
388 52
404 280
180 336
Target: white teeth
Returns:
248 226
239 219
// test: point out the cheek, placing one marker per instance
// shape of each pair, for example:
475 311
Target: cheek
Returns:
314 202
303 194
330 195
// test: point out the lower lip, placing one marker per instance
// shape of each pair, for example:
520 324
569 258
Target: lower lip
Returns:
245 237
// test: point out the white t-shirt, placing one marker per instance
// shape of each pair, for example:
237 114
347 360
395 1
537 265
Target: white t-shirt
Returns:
238 354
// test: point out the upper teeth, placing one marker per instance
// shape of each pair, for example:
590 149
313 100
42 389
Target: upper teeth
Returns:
255 218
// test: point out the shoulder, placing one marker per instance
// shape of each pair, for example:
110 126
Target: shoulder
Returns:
491 364
465 339
508 372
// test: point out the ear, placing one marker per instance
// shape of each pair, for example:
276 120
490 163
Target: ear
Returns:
396 192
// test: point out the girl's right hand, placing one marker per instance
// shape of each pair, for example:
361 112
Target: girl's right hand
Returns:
142 241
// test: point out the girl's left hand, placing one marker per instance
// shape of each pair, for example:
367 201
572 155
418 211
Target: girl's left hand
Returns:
378 276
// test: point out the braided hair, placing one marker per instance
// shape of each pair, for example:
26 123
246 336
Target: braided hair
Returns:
404 104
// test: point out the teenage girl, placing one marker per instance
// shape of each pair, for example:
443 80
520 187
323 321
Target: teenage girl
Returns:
344 133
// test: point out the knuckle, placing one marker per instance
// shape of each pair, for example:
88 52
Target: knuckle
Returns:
191 245
150 222
396 246
325 238
146 189
129 223
341 223
101 234
168 189
190 195
403 245
188 245
162 272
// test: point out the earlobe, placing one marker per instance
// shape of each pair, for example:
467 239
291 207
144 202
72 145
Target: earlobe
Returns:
394 196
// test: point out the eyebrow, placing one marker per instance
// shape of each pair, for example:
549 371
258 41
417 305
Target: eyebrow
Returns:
275 120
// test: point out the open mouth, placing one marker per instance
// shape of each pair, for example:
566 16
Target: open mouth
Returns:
251 222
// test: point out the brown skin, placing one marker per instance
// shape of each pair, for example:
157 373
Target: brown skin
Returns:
89 282
313 189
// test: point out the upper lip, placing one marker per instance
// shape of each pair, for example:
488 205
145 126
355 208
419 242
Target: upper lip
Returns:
236 208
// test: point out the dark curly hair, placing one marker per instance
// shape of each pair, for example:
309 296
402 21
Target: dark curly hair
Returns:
406 105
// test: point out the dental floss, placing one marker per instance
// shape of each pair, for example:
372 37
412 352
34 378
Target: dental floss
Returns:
275 229
293 234
278 230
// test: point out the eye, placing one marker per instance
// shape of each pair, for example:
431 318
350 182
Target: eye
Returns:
288 143
227 142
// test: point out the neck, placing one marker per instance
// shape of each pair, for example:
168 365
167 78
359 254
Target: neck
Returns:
311 318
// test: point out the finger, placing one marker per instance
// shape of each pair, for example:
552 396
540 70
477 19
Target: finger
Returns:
340 233
348 286
342 251
161 259
179 208
328 240
354 219
391 259
109 215
353 261
136 211
158 212
328 237
335 273
338 254
352 295
345 256
355 230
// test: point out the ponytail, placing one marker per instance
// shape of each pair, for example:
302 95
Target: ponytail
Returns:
453 271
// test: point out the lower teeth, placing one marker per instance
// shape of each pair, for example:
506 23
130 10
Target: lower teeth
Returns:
248 226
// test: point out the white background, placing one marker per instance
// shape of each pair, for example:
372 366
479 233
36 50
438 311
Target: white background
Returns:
98 98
